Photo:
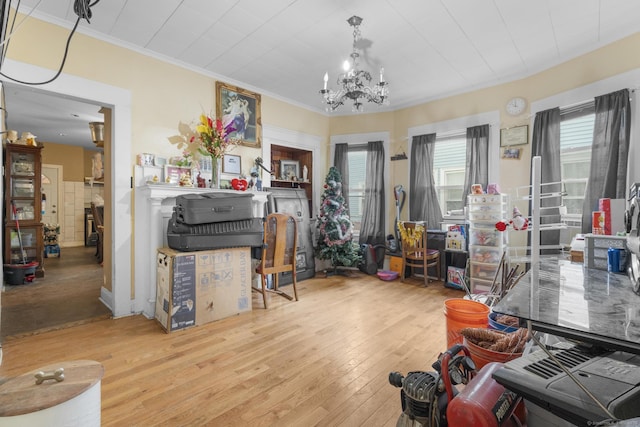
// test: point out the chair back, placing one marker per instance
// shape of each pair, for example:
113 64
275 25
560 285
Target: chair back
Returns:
414 239
280 244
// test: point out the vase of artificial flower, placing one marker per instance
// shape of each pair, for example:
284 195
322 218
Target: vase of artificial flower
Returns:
213 143
215 172
209 140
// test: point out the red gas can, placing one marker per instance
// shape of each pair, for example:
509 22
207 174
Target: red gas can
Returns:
485 403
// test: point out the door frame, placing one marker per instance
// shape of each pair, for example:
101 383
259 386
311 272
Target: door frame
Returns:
118 297
60 190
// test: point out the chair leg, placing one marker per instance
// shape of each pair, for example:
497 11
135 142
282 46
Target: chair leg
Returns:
295 289
264 290
425 271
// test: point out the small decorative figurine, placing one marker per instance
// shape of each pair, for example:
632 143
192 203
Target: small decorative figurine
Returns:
201 182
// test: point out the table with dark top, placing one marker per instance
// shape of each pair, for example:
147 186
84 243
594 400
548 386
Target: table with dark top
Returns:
572 301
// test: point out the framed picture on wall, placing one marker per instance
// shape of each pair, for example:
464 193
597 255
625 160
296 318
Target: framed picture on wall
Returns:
511 153
231 164
289 170
518 135
239 110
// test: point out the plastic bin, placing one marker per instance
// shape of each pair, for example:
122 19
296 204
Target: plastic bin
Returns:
493 324
19 274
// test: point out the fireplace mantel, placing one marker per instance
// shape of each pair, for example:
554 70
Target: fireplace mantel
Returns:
153 207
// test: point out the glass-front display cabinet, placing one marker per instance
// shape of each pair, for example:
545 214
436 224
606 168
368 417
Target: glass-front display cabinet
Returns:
23 232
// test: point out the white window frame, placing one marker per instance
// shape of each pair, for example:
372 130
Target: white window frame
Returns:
453 126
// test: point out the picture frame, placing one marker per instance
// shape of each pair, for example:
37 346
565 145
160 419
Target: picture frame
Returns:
225 182
289 170
518 135
511 153
231 164
240 110
172 173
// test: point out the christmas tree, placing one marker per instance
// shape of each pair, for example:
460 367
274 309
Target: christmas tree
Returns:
335 230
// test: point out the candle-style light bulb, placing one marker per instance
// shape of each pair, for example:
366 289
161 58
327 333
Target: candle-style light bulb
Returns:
381 74
326 79
345 66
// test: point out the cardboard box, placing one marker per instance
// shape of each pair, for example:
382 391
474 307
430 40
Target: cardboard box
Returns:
613 215
194 288
395 264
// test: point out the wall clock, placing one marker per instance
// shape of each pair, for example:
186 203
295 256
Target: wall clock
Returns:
516 106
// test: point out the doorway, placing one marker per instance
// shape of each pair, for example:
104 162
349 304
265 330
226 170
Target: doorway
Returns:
116 292
51 193
69 293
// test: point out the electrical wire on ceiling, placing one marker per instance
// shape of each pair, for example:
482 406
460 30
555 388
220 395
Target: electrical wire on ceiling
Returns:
82 8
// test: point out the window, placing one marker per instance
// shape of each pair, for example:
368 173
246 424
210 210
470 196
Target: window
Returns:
576 137
357 157
449 165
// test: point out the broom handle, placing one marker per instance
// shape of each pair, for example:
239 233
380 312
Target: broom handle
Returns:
15 217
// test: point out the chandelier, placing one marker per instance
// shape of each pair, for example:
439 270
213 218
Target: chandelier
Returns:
354 84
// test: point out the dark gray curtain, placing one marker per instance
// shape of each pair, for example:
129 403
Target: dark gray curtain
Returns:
609 153
372 228
477 159
545 142
341 162
423 199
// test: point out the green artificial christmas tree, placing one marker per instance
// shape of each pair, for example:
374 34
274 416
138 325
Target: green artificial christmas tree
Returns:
335 229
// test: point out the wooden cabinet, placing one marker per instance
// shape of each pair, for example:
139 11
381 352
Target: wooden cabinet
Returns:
282 158
23 233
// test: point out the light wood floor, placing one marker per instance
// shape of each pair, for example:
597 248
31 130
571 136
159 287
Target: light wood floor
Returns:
323 360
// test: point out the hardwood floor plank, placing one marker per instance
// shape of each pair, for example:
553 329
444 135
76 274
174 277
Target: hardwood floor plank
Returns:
323 360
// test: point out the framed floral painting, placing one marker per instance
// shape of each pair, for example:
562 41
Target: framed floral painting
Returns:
239 110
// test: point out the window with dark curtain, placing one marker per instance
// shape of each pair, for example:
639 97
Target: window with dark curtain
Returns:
372 230
609 154
423 200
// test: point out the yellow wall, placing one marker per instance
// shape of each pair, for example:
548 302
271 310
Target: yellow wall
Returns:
165 94
76 161
69 156
162 94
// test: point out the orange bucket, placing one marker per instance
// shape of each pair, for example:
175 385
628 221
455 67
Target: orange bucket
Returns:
482 356
463 313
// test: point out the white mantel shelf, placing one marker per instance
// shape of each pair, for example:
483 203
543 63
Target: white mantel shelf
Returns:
153 207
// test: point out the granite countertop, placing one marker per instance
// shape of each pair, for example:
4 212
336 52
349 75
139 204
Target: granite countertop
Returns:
573 301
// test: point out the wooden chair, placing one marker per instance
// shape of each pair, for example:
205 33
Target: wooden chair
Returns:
280 244
98 223
415 253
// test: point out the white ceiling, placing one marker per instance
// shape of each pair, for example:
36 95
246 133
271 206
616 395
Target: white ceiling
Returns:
430 49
